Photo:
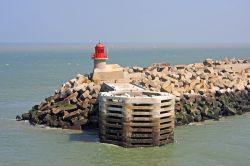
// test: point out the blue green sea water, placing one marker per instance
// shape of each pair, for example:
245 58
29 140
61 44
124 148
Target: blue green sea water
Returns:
29 73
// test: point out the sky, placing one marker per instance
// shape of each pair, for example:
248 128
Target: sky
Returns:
125 21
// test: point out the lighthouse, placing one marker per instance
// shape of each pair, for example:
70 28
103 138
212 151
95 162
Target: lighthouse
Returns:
103 71
100 56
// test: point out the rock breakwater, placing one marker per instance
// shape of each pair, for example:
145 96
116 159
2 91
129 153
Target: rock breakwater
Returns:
71 107
207 90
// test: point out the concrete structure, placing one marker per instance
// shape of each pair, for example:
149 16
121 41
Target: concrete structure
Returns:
107 86
102 71
129 116
136 119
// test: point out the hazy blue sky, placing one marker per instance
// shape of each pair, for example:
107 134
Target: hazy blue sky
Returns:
172 21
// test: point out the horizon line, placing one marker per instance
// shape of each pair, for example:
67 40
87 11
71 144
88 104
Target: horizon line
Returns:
131 43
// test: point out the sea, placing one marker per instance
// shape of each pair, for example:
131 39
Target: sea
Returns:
31 72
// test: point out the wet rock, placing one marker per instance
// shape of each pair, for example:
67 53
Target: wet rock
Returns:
227 110
43 112
18 118
34 117
47 118
26 116
79 121
212 115
246 108
197 118
65 106
35 107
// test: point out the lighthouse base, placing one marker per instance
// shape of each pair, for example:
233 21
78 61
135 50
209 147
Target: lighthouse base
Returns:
112 72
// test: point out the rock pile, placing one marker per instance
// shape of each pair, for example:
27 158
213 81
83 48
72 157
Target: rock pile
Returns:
70 107
200 78
203 91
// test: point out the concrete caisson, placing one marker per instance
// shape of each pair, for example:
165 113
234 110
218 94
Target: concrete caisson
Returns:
136 118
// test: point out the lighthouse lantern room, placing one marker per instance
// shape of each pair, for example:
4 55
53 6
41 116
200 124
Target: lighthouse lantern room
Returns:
100 56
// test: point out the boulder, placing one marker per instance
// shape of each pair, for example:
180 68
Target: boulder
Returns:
164 77
85 94
18 118
50 99
137 69
175 76
34 117
56 111
197 118
209 70
165 70
79 121
93 101
72 97
95 95
80 79
167 87
130 70
212 114
43 112
90 87
71 115
72 82
246 108
208 62
26 116
47 118
80 88
176 93
203 76
228 110
65 106
153 83
82 105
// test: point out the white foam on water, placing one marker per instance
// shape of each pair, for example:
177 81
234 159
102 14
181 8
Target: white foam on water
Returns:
111 145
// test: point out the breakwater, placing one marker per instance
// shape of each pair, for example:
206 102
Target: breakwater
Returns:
203 91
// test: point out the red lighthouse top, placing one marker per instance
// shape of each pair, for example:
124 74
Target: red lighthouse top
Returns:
100 52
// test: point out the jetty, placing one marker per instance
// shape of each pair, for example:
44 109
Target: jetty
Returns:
109 97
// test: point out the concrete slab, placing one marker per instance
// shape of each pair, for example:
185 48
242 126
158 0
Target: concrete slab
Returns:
122 87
